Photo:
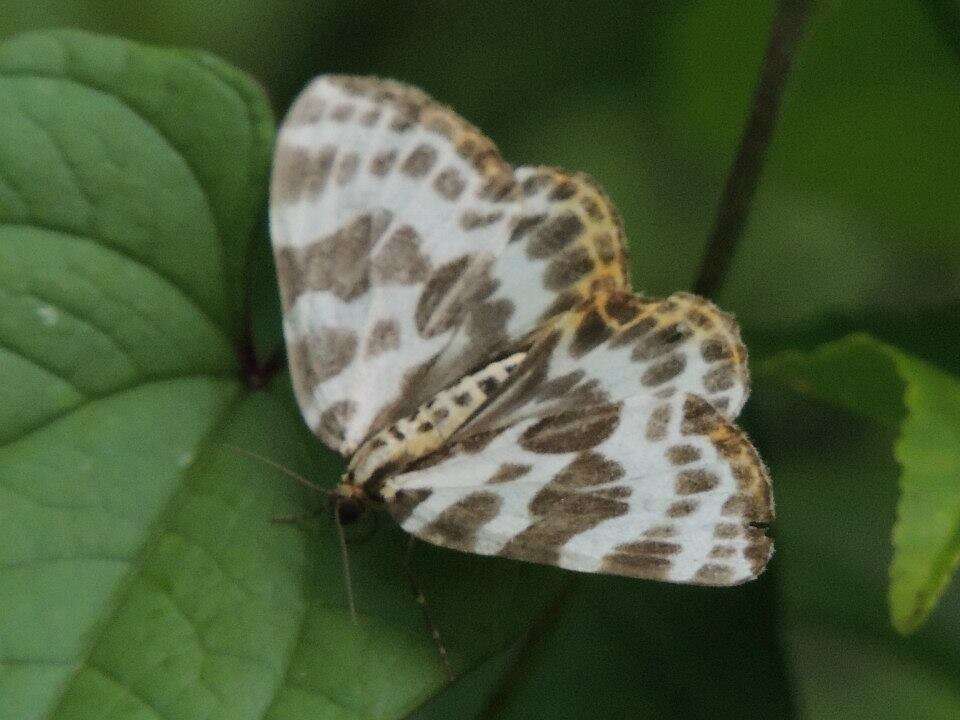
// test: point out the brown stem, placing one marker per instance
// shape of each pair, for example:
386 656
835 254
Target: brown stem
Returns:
788 25
544 624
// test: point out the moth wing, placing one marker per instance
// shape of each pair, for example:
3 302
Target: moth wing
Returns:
408 251
659 489
612 450
618 345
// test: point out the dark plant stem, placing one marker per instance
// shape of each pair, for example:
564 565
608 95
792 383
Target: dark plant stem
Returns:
789 21
540 628
256 375
945 15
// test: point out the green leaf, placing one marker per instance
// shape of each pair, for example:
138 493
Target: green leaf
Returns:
836 484
880 382
130 182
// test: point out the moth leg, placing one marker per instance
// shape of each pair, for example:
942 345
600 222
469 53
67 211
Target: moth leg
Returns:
422 602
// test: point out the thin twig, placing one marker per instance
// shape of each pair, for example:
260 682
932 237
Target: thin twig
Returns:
538 631
789 21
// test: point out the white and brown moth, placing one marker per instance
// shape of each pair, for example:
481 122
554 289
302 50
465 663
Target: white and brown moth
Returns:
465 333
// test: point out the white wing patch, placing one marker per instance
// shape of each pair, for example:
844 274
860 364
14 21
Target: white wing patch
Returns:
467 334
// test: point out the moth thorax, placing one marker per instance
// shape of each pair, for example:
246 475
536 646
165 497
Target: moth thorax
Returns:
431 425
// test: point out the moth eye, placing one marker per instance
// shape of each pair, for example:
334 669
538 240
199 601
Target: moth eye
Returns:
349 511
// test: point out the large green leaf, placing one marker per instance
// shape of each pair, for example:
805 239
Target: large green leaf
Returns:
870 378
140 572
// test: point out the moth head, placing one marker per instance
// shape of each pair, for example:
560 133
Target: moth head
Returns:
347 501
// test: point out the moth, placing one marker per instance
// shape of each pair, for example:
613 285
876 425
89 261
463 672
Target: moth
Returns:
465 333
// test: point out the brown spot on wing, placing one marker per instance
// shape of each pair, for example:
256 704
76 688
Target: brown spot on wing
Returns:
508 472
554 235
719 378
683 454
560 386
560 514
591 332
658 422
418 163
370 117
449 183
568 268
743 506
722 551
343 112
384 337
333 421
699 480
457 526
621 306
572 430
564 190
714 349
727 531
587 469
649 559
382 163
399 261
635 331
301 172
472 220
661 342
682 508
338 263
533 184
429 318
699 417
405 501
477 440
714 574
592 208
664 370
524 224
607 247
324 354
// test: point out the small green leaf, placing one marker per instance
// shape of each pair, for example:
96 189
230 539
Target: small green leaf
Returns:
867 377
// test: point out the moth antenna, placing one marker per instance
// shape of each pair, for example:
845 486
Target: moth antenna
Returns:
282 468
345 559
422 602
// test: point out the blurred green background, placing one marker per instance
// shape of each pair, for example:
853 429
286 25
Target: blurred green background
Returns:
856 226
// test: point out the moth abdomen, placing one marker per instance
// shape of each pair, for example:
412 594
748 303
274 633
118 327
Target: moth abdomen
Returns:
430 426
